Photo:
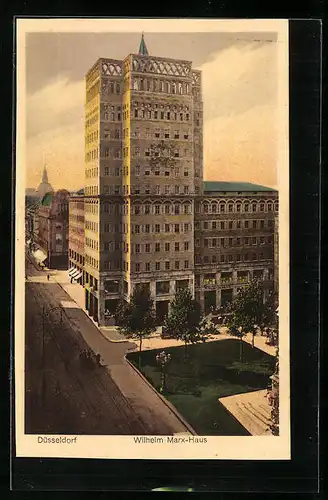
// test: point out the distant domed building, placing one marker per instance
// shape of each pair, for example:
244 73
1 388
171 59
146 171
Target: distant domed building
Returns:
44 186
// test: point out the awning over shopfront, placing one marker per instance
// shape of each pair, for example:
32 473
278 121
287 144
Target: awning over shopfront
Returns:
71 270
75 273
78 276
39 256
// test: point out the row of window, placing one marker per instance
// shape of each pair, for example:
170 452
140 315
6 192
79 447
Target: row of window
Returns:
163 86
92 92
161 228
176 152
76 205
91 172
109 87
92 207
165 107
93 136
158 133
92 155
162 115
76 256
89 242
159 266
117 171
125 190
233 224
164 173
229 242
115 153
91 261
183 246
92 120
91 190
236 207
166 189
158 209
213 279
92 226
112 134
118 189
112 116
224 258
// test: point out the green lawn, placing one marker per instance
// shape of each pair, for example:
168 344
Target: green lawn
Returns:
211 370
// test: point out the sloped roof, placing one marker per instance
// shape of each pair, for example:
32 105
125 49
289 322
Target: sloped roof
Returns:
47 199
143 48
221 186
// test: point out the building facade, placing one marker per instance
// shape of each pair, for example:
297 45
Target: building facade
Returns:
148 219
276 253
234 227
52 237
76 237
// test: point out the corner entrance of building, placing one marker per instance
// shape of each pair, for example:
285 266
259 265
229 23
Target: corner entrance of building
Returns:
209 301
162 309
226 296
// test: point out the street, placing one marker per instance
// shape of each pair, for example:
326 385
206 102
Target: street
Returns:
62 396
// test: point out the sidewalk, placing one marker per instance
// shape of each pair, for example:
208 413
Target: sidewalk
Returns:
76 292
145 401
252 410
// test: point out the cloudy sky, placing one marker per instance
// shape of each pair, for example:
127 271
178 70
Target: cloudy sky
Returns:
240 81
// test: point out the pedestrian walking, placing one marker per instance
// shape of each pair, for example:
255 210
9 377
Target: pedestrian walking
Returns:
48 277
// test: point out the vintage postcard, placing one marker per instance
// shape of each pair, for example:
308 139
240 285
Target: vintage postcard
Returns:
152 239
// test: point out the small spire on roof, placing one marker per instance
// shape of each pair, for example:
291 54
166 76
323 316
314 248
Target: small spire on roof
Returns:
45 175
143 48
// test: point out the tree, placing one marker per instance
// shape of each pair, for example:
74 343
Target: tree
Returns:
248 313
270 320
184 321
274 400
136 318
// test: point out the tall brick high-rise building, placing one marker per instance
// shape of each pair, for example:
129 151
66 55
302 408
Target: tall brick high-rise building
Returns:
144 183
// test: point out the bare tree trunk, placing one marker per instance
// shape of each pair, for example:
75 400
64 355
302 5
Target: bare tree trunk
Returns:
241 349
140 347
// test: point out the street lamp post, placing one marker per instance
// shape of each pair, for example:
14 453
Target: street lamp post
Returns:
44 315
163 359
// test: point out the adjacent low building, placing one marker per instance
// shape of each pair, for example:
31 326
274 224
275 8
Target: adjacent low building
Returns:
32 205
234 240
52 237
76 237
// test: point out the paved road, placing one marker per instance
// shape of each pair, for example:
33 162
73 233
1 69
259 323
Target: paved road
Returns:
107 400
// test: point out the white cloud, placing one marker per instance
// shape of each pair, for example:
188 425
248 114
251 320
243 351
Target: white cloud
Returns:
55 130
238 78
54 106
239 93
242 147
